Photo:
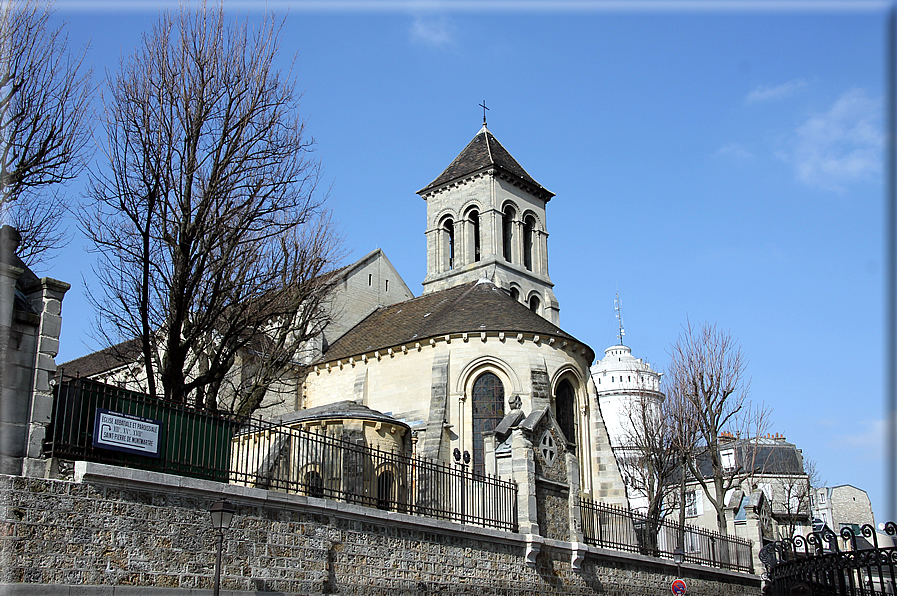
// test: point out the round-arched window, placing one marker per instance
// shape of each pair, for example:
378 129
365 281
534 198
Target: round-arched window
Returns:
535 305
314 484
529 224
385 490
564 407
488 409
448 245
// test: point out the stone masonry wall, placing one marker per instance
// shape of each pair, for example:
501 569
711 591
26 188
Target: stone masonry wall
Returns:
119 527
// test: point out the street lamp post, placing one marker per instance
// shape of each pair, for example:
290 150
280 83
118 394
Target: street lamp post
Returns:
678 558
222 515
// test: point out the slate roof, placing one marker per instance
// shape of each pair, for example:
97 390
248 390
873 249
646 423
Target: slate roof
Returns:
343 410
482 152
772 458
104 360
473 307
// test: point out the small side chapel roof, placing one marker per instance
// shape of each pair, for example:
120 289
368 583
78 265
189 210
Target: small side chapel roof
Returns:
482 152
472 307
343 410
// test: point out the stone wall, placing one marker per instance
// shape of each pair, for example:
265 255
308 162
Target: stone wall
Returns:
850 505
29 341
119 527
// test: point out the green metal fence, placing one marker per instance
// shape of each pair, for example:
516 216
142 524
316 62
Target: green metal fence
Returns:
96 422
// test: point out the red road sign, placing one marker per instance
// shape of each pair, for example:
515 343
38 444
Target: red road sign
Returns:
678 587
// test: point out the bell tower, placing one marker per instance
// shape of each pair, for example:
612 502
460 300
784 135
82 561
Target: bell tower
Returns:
486 219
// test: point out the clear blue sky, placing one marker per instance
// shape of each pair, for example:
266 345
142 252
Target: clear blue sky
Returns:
711 164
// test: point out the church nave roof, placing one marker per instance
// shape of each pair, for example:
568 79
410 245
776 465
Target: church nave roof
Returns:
468 308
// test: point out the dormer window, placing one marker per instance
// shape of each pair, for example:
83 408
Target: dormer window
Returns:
727 459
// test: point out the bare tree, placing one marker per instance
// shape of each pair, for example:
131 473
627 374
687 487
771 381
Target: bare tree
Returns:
684 439
797 492
214 245
648 457
44 102
707 370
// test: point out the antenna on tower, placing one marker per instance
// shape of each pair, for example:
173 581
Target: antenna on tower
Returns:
617 308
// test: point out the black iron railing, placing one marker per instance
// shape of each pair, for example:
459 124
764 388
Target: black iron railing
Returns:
96 422
824 563
617 528
291 459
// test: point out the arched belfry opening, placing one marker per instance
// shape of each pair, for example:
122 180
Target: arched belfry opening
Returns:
507 233
473 219
448 245
529 225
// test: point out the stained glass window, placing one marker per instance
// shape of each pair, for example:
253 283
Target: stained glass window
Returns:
488 410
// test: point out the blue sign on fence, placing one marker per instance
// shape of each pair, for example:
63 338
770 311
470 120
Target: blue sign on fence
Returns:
124 432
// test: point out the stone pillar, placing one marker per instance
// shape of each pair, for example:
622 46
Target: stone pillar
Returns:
551 310
490 234
607 483
9 274
45 298
517 242
573 483
523 466
14 382
489 452
463 243
439 390
432 253
541 387
360 388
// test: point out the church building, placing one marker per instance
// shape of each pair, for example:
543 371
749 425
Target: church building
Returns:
483 339
481 344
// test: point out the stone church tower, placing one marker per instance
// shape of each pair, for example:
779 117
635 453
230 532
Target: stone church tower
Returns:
486 219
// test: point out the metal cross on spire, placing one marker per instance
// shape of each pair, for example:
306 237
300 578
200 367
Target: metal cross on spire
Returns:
483 105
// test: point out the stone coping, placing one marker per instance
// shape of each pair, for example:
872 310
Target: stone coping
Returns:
129 478
64 590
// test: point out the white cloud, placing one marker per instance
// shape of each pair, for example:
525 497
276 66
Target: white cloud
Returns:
840 146
436 32
869 440
735 151
763 93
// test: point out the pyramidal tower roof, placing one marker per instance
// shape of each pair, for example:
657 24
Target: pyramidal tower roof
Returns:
484 151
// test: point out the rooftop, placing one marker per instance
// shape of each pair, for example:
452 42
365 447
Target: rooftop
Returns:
472 307
484 151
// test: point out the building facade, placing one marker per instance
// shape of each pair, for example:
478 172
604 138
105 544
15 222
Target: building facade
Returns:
841 506
768 495
483 335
